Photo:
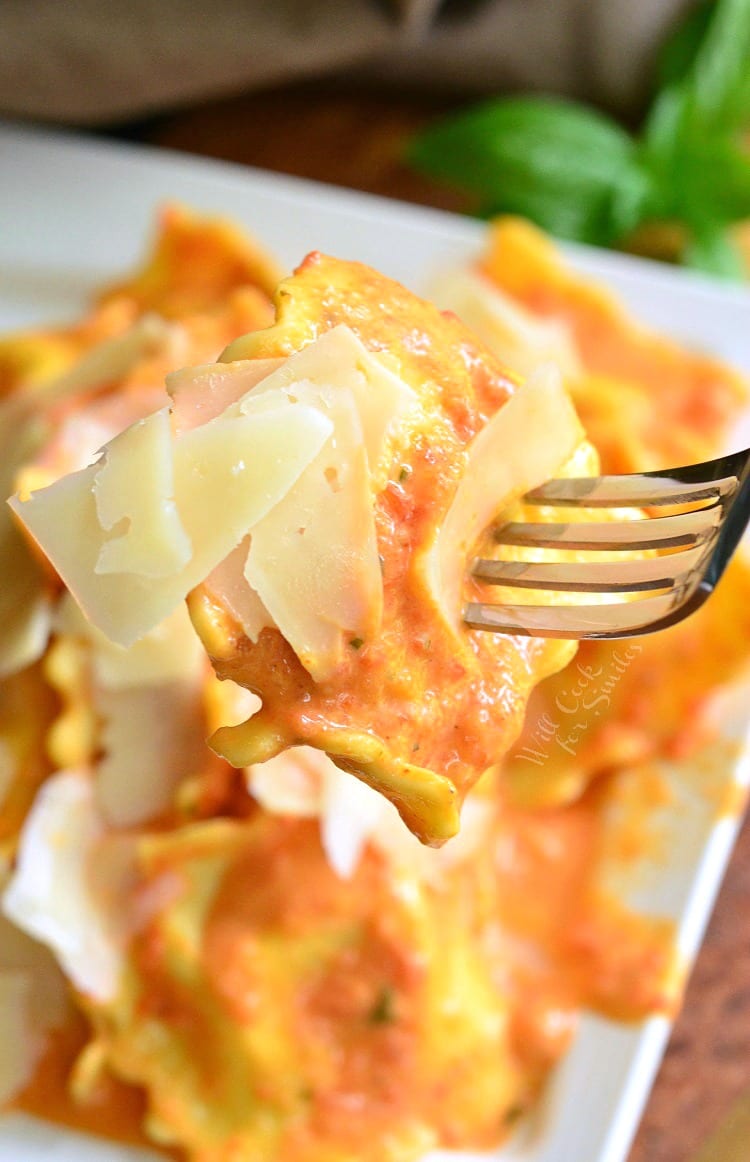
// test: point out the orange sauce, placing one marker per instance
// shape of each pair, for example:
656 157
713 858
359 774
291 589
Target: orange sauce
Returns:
361 1014
553 942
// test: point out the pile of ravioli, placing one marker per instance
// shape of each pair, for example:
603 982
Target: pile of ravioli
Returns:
233 667
316 494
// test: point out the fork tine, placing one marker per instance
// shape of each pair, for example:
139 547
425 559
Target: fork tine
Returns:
711 534
615 620
637 490
629 576
687 528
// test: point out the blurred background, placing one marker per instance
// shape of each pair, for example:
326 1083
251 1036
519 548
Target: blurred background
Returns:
577 113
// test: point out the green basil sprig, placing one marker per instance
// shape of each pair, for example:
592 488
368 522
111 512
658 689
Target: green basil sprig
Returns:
581 176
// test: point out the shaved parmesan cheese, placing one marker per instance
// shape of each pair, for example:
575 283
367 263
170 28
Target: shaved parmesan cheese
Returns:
234 470
340 362
521 447
52 894
337 364
227 475
229 586
199 394
154 542
24 606
291 452
313 561
521 340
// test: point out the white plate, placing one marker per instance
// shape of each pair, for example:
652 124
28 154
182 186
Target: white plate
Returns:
73 213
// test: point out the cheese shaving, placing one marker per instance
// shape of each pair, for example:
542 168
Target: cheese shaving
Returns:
314 560
229 586
52 894
523 341
291 452
521 447
227 475
154 542
24 605
339 361
199 394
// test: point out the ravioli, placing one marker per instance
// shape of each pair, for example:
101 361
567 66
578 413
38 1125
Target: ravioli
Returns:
383 438
324 1023
423 707
363 443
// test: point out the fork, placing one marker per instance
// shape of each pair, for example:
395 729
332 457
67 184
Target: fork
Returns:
700 541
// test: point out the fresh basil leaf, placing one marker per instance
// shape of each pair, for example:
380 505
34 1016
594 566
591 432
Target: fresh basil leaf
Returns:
635 198
579 176
718 83
700 173
574 218
706 79
713 251
717 182
570 169
697 175
678 53
663 142
665 125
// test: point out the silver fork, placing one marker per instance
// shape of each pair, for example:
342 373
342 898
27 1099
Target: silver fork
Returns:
705 538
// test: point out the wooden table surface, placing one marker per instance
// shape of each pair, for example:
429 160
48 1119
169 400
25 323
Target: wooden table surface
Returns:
356 138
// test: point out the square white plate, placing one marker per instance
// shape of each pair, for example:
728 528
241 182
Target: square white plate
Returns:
74 212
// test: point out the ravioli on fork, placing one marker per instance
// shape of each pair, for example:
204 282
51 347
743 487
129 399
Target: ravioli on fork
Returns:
315 495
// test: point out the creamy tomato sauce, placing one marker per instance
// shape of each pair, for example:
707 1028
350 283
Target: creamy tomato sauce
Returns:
341 965
275 1009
